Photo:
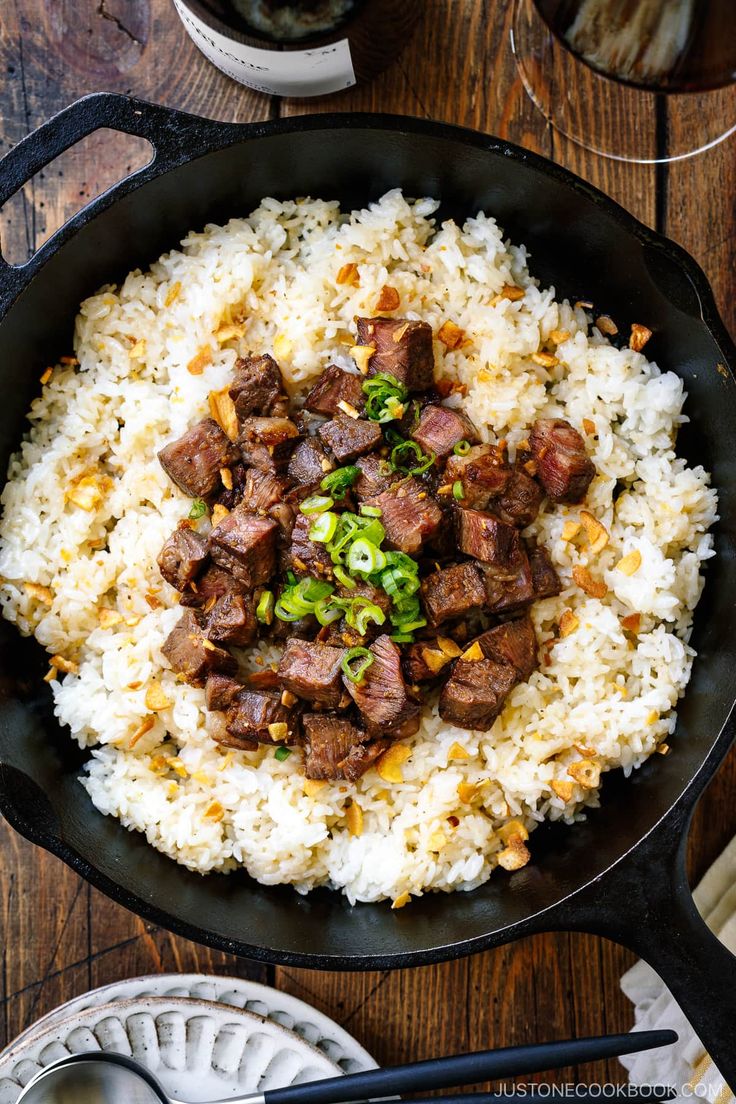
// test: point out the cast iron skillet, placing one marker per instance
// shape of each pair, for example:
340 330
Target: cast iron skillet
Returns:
620 874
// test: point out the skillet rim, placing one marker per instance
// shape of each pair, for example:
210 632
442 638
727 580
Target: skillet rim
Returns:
214 135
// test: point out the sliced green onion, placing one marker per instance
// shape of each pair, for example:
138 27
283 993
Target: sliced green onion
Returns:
323 527
365 557
371 511
371 530
361 618
316 504
356 674
462 448
326 611
410 626
285 613
407 457
385 397
300 599
264 609
338 481
347 528
342 577
457 490
402 638
282 753
198 510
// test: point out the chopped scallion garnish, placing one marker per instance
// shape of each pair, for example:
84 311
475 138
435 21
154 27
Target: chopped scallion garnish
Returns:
407 457
356 673
282 753
385 397
457 490
338 481
462 448
316 504
198 510
323 527
264 609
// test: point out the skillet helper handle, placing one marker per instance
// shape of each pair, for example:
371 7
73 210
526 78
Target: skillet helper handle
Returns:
466 1069
650 910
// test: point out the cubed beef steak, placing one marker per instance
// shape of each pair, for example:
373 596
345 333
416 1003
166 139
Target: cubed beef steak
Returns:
382 696
409 515
267 443
482 473
440 428
220 690
515 643
428 659
232 620
304 556
563 465
258 388
334 386
194 461
348 438
376 476
486 538
262 490
545 580
210 585
191 654
403 350
335 748
245 545
312 671
309 464
475 693
261 715
182 557
519 504
453 592
508 587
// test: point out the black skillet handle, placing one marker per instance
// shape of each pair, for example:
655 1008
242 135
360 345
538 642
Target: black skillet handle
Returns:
645 903
172 135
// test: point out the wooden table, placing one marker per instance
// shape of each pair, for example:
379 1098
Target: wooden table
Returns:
58 936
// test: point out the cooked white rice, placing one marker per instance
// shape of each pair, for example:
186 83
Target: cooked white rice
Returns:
268 282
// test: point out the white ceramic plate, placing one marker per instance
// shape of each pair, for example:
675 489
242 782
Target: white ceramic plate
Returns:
199 1049
290 1012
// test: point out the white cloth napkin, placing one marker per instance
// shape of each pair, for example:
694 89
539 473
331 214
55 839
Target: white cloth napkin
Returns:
685 1066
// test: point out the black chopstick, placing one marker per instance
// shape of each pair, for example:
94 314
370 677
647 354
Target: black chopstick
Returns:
468 1069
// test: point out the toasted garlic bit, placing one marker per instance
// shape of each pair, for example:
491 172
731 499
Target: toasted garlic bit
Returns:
51 675
154 602
218 513
108 617
401 900
570 530
589 426
214 812
435 659
639 337
354 819
88 492
568 623
228 332
198 363
46 376
545 360
632 622
172 294
663 749
652 717
467 791
288 699
68 666
348 274
348 409
606 325
448 646
388 300
145 726
512 292
138 351
630 563
562 789
436 841
596 588
583 304
227 478
450 335
39 593
558 336
513 828
515 855
279 730
473 654
312 786
457 751
222 409
156 698
597 534
586 772
361 354
390 763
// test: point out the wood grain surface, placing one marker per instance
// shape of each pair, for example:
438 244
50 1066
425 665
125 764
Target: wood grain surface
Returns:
58 936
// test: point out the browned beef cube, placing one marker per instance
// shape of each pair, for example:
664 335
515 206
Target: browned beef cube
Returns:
403 350
182 557
427 659
520 502
409 515
483 474
382 696
563 464
361 757
232 620
220 690
245 545
342 635
267 443
211 584
475 693
545 580
453 592
515 643
191 654
261 715
375 476
309 463
349 438
440 428
312 671
333 387
305 556
195 460
509 587
486 538
306 628
262 490
330 739
258 388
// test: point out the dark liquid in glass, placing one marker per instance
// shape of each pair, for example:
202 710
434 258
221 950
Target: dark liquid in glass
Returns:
660 45
285 21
